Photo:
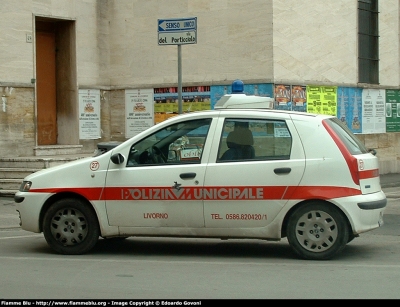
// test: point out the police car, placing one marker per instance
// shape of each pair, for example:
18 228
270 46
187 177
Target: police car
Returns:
240 171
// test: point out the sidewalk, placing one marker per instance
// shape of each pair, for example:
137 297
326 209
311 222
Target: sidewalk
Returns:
9 217
390 180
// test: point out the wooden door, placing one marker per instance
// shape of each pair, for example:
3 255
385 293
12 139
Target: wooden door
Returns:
46 88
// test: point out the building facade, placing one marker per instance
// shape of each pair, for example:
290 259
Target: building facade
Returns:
53 51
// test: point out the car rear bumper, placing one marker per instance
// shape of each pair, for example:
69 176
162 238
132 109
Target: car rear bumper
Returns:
365 212
372 205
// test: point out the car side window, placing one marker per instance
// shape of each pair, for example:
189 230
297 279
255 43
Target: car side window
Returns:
179 143
254 139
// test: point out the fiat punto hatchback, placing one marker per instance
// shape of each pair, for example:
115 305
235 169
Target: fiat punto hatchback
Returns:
240 171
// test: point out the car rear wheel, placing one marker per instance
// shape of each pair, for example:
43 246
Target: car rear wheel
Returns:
70 227
317 231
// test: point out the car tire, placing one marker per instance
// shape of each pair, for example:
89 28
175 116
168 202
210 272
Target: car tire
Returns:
317 231
71 227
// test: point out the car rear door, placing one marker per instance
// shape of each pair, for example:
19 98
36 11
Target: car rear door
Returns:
245 193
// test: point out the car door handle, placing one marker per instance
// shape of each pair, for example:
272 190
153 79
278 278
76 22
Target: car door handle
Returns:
187 175
282 170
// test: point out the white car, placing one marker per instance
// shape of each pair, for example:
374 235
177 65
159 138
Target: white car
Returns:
240 171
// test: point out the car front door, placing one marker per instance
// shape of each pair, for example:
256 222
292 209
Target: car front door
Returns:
160 184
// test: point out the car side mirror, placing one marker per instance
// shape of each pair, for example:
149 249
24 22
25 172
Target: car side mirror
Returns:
117 158
372 151
172 155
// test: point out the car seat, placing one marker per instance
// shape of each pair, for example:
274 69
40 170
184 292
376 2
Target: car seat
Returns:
240 145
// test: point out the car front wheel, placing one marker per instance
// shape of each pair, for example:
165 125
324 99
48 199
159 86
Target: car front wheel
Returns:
317 231
70 227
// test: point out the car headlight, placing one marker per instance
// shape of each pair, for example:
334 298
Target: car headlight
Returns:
25 186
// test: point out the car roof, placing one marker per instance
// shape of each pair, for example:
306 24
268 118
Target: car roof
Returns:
234 101
246 110
243 112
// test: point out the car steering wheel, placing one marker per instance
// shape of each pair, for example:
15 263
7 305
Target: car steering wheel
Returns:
157 151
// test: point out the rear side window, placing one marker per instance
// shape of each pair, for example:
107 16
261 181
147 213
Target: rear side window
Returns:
352 143
254 139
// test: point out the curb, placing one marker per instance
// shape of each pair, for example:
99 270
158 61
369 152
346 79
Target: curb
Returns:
390 185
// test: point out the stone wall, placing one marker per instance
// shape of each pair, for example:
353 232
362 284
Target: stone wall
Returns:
277 41
387 146
17 129
17 122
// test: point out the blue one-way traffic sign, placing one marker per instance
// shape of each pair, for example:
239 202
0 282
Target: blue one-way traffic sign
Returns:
177 25
177 31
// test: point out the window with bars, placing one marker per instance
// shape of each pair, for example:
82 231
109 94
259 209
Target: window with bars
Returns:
368 42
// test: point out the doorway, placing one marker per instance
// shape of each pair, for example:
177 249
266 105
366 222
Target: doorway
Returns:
56 86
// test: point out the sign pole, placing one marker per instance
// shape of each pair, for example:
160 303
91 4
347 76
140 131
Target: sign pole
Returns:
178 31
180 79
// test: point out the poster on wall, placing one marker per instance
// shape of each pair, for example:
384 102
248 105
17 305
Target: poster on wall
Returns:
349 105
194 98
290 97
189 94
392 110
139 111
373 111
282 95
299 98
217 91
89 114
322 99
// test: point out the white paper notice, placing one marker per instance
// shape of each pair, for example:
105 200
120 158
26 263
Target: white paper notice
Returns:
373 108
139 110
89 114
